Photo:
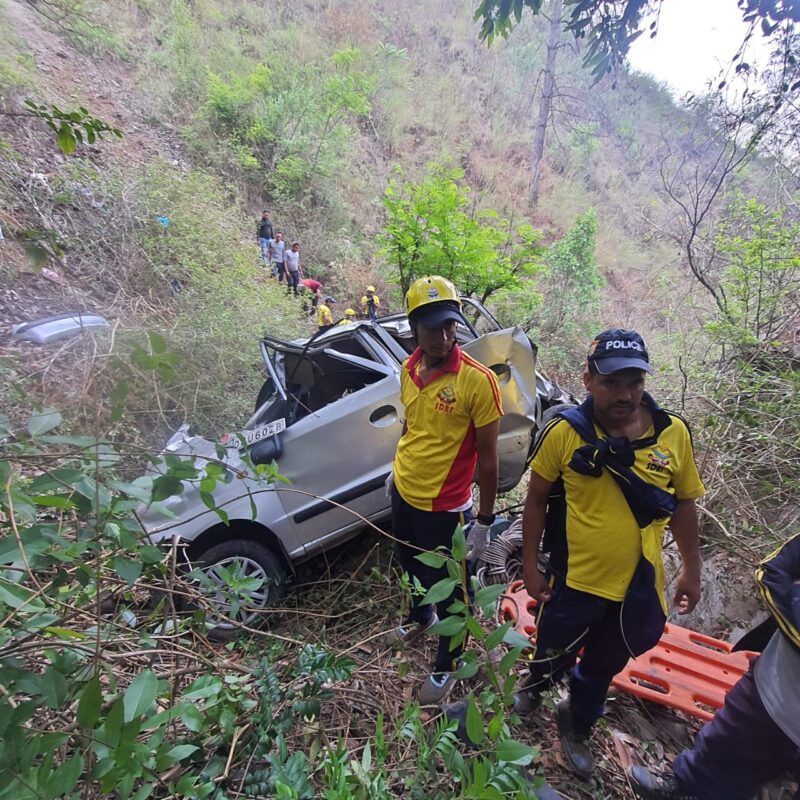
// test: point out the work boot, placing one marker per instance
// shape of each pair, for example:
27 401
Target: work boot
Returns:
652 786
574 743
457 712
526 703
409 631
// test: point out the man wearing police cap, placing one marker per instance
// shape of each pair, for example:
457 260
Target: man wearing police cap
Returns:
606 479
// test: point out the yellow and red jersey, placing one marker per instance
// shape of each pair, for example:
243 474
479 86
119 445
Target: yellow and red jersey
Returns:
435 458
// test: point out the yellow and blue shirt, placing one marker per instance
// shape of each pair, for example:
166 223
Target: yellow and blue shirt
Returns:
324 315
603 540
435 458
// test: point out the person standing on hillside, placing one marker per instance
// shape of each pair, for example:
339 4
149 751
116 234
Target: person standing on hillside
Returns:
370 304
265 236
291 264
349 316
623 467
755 737
324 313
277 253
453 409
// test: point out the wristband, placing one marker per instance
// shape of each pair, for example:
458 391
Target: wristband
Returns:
486 519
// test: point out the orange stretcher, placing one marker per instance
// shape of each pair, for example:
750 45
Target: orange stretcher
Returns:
687 671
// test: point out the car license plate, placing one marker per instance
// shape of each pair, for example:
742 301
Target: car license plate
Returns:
256 435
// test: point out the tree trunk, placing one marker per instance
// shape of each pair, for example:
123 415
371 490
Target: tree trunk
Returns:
545 102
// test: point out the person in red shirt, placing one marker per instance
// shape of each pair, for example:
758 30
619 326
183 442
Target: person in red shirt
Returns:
314 287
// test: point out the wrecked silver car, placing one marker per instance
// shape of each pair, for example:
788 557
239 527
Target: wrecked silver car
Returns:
329 417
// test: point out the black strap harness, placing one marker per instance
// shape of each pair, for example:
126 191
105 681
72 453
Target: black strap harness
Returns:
617 454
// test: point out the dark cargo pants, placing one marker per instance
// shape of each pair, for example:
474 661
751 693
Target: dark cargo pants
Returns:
426 530
739 750
609 632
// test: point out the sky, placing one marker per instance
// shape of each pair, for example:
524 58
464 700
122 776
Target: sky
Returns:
695 40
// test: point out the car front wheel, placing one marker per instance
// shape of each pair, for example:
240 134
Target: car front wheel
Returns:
241 579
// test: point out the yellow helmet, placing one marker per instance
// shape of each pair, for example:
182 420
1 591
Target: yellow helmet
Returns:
348 312
432 300
371 289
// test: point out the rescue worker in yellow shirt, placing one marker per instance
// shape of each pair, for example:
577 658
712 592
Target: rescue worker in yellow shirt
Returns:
452 409
324 313
606 478
349 316
370 304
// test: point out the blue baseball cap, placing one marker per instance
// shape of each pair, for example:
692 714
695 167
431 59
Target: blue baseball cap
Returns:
434 314
616 349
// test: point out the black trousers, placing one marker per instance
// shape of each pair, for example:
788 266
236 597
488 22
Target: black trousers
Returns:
609 632
426 530
739 750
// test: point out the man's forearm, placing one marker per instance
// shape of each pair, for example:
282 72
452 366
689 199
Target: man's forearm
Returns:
533 520
685 530
488 473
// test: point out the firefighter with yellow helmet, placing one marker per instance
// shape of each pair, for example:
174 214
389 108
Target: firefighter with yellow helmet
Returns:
452 419
349 316
370 304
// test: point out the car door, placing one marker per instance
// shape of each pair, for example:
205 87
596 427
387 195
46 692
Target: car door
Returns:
344 398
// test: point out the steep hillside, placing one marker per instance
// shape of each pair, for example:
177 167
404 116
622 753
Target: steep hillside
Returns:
309 110
205 85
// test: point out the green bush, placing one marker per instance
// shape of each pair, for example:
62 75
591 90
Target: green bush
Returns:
224 302
433 228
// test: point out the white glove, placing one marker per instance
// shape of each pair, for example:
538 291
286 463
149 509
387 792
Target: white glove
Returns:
477 538
389 484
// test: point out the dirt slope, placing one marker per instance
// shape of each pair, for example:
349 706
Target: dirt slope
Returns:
105 87
66 77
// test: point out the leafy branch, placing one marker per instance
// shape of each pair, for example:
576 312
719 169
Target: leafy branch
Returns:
70 127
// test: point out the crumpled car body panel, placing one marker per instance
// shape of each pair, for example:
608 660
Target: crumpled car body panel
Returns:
510 355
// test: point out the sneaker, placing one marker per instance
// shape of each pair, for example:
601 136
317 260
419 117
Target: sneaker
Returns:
405 634
574 744
435 688
653 786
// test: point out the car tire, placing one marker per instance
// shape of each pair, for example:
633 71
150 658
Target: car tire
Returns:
551 412
250 559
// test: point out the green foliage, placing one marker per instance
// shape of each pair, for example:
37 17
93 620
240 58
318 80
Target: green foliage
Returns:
283 700
611 26
562 306
753 382
573 281
495 775
71 722
217 310
760 279
71 127
49 660
289 125
431 227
